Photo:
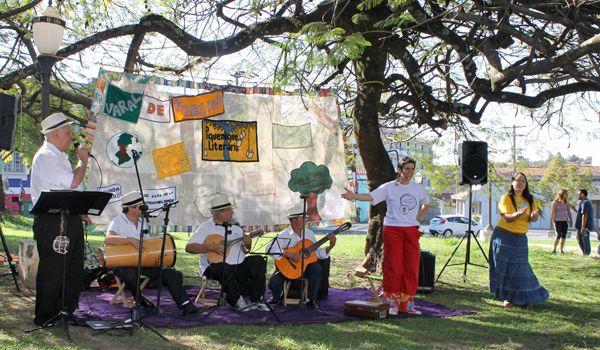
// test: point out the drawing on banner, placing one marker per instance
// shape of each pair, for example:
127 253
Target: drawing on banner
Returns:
114 189
259 183
197 107
119 147
291 136
122 105
171 160
157 197
229 141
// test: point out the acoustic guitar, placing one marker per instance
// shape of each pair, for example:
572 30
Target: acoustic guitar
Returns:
293 270
214 257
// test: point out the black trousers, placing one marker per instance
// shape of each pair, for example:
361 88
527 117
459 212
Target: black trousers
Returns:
247 278
171 278
48 293
318 281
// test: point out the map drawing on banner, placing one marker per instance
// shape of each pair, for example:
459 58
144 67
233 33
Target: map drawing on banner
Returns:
288 136
229 141
155 110
157 197
119 147
122 105
116 191
171 160
197 107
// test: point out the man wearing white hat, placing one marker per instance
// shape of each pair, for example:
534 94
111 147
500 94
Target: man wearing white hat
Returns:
52 170
240 274
125 230
291 237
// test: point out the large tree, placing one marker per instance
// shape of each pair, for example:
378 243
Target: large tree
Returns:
395 63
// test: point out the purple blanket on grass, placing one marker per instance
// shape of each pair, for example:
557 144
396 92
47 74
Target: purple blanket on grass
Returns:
94 305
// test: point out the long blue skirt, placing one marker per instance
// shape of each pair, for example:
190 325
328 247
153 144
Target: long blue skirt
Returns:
511 276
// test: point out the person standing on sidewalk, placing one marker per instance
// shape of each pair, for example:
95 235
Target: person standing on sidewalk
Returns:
584 223
562 219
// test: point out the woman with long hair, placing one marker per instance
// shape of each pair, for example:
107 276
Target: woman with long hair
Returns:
562 219
511 276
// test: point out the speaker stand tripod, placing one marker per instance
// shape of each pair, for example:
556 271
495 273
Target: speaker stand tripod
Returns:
468 234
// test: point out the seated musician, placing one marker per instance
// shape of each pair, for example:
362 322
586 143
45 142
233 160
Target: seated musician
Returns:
125 229
239 275
282 247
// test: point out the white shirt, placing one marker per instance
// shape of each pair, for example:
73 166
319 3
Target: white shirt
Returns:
235 253
403 202
123 227
50 170
287 238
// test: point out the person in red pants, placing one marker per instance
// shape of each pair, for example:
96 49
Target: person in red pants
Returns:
407 204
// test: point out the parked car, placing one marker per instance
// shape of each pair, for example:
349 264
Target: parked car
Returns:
451 225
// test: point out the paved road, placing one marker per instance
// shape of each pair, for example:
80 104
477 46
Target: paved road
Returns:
361 228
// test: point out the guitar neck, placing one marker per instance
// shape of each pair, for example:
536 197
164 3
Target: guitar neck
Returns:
252 234
320 242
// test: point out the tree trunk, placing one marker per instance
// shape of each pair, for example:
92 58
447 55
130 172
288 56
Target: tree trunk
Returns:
370 70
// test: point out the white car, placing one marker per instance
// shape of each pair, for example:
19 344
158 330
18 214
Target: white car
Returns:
451 225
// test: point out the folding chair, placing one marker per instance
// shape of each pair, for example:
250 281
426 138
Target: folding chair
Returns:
202 293
119 296
286 289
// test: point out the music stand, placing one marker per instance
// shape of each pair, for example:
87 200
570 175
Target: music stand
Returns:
65 203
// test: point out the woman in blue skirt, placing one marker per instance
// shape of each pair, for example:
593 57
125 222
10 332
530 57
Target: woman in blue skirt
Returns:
511 276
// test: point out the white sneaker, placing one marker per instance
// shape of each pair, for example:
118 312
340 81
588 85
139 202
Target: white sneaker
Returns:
261 307
241 305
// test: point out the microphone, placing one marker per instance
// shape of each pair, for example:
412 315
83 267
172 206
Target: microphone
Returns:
76 144
170 204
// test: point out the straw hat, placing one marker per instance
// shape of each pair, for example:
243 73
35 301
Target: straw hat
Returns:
220 202
53 122
131 199
296 212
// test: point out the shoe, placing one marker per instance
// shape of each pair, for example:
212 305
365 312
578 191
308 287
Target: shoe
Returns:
241 305
507 304
260 306
273 300
312 305
146 304
410 308
393 310
554 252
190 309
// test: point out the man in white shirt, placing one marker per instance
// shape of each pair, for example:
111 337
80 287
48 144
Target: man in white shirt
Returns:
239 274
125 230
51 170
279 249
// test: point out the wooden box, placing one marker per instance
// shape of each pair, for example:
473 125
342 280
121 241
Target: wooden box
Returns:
368 309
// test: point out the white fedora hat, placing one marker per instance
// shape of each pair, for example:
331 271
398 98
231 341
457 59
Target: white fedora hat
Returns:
53 122
131 199
296 212
220 202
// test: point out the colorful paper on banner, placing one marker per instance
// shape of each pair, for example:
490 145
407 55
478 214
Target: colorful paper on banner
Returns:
122 105
197 107
157 197
289 136
155 110
229 141
171 160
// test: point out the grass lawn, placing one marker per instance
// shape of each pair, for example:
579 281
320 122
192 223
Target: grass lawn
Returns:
570 319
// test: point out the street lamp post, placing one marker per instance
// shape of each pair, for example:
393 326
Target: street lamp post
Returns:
48 33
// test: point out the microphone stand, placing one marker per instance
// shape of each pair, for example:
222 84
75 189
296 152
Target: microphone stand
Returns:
135 320
166 208
302 302
221 300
